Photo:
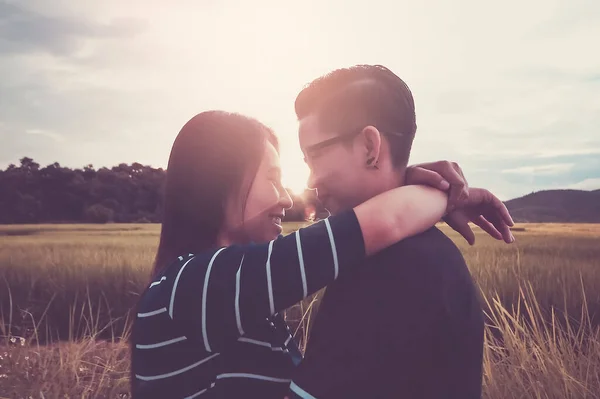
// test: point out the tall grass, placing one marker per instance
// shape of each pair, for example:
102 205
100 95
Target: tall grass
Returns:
66 293
527 356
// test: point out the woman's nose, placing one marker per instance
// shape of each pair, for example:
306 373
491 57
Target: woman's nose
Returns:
285 200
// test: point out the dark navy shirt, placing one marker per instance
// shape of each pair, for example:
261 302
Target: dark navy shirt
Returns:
209 327
407 325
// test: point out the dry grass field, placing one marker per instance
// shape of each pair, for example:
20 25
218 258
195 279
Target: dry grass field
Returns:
66 292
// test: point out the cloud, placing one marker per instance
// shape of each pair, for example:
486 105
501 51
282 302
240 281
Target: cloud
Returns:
46 134
23 31
542 169
587 184
567 152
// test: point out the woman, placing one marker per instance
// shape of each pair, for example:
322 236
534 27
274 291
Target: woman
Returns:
207 325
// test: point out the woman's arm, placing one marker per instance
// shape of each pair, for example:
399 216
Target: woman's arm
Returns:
219 296
397 214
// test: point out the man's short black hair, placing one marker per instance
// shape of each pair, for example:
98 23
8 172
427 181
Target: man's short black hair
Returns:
352 98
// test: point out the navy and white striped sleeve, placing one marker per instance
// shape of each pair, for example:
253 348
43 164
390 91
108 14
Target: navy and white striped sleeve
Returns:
217 297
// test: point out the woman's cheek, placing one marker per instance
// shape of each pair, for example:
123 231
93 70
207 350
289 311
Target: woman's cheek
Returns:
269 196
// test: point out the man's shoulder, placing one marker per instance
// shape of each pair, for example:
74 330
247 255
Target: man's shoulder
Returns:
425 260
429 262
430 246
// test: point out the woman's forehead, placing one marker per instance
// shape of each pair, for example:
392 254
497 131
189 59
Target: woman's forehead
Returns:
271 157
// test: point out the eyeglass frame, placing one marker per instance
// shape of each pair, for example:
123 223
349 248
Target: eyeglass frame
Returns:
340 139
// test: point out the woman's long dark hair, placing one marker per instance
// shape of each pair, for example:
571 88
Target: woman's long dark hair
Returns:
215 156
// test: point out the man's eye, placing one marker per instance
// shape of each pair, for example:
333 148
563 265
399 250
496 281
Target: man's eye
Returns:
315 154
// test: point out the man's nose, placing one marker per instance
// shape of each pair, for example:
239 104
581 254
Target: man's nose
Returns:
313 181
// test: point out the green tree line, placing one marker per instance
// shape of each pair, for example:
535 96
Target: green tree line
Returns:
126 193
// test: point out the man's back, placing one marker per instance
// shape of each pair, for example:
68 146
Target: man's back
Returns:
408 324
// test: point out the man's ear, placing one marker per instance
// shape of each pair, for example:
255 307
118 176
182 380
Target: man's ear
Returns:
371 139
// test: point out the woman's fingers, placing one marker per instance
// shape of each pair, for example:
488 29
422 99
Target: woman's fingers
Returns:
488 227
459 221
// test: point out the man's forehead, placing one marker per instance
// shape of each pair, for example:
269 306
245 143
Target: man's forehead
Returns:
310 132
308 123
307 130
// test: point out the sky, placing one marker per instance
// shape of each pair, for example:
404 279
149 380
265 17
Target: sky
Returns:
510 90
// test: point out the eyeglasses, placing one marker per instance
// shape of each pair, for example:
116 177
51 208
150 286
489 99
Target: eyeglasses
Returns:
314 151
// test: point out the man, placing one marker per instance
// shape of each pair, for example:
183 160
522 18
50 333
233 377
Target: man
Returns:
414 331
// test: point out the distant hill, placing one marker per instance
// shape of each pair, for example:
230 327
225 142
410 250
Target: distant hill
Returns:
556 206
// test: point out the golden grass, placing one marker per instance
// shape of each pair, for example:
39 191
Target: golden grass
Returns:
79 282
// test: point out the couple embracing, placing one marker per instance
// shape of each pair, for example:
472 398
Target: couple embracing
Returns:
401 316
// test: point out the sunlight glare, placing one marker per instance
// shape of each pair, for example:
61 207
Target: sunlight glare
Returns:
294 176
294 170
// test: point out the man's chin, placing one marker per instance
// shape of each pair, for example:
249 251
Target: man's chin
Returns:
334 207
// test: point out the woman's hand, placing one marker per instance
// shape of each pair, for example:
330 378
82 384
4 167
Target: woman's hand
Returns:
443 175
486 211
490 214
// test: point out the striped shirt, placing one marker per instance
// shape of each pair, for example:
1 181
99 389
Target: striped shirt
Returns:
209 326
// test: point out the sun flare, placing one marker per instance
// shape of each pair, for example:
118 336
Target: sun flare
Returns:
294 170
294 176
